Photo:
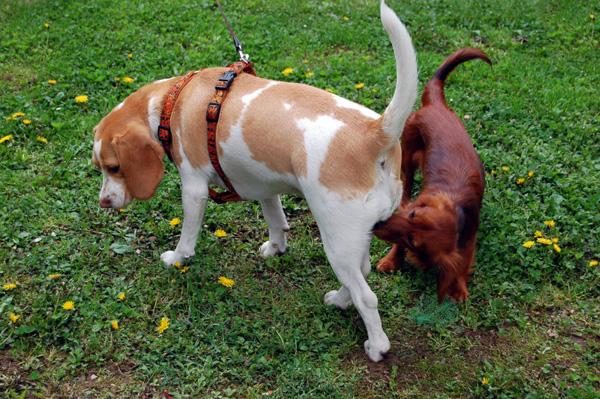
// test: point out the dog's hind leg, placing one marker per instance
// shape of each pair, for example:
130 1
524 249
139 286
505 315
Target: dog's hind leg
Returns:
278 227
347 251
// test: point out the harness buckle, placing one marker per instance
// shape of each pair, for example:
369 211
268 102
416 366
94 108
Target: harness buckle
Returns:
213 111
225 81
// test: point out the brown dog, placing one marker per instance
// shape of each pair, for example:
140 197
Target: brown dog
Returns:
440 226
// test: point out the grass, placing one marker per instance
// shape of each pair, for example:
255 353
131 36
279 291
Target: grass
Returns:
531 327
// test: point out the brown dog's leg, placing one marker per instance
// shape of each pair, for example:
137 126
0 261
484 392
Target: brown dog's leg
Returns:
393 260
413 151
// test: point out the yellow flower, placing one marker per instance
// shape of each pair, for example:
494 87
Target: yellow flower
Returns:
69 305
130 55
374 90
329 90
26 121
485 381
227 282
549 223
6 138
177 265
54 276
309 74
81 99
42 139
52 82
555 240
287 71
117 79
121 296
114 324
346 18
164 324
529 244
18 115
521 181
185 269
14 317
9 118
538 233
556 248
127 79
8 287
220 233
175 222
360 86
505 169
494 172
592 16
544 241
593 263
47 25
530 174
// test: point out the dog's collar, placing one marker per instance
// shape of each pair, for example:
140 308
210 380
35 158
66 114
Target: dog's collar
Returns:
164 128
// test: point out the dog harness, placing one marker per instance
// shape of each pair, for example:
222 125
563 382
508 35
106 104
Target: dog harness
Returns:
212 118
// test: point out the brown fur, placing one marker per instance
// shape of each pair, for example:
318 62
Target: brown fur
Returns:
440 226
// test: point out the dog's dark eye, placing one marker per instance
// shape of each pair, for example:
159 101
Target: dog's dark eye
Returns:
112 170
412 215
409 238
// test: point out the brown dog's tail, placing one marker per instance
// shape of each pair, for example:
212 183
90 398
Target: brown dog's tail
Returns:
434 89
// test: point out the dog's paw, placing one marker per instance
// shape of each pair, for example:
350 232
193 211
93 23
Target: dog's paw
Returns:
171 257
340 301
385 266
376 351
269 249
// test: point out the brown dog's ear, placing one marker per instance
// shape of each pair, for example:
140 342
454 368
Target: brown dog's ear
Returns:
141 162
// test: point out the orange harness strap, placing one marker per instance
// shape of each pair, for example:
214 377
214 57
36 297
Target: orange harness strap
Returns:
212 117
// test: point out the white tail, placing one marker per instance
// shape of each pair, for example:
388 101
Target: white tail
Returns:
405 93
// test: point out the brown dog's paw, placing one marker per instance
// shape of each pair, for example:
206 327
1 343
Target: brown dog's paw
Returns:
385 266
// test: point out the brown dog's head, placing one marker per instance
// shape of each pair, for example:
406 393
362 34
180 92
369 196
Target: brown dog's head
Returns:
130 159
429 228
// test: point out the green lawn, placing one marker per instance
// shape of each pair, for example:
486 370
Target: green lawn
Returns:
531 327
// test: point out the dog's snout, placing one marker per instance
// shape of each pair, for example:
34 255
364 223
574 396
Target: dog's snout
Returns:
105 203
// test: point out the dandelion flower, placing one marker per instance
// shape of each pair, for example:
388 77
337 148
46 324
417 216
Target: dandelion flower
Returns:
549 223
52 82
8 287
130 55
529 244
329 90
227 282
220 233
175 222
54 276
374 90
346 18
485 381
287 71
593 263
556 248
121 296
6 138
117 79
69 305
177 265
18 115
127 79
81 99
538 233
47 25
42 139
14 317
164 324
359 86
521 181
592 16
26 121
114 324
554 240
530 174
185 269
505 168
544 241
309 74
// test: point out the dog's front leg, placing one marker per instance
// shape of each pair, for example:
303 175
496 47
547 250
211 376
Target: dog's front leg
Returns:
195 197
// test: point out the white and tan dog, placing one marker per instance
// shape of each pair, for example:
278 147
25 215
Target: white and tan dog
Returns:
274 137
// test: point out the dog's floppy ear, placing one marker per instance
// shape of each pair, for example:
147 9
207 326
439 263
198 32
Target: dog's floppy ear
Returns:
141 162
